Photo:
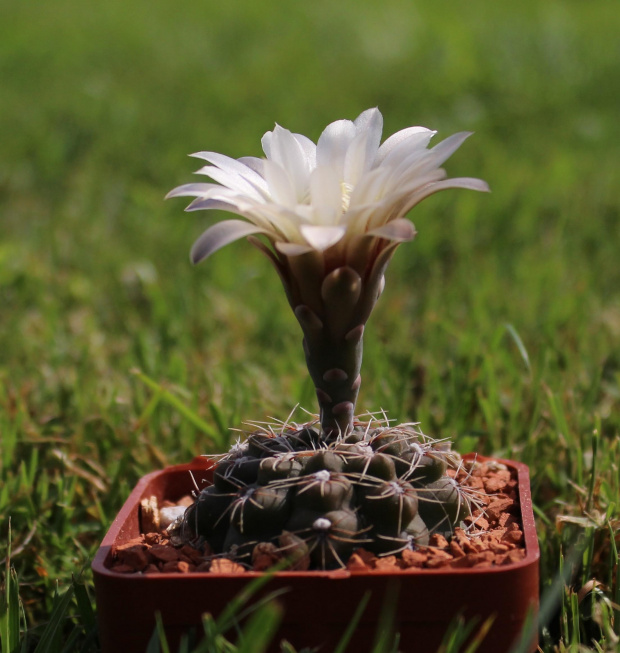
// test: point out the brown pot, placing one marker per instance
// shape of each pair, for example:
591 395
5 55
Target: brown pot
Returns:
318 604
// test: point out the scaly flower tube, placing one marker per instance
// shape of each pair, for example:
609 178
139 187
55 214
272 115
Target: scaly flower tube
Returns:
332 214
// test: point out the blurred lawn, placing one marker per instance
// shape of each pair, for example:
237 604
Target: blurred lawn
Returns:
99 106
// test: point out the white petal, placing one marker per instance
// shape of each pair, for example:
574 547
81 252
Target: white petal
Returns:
400 230
202 204
266 143
326 195
458 182
288 152
320 238
262 215
462 182
371 123
293 249
219 235
371 119
399 201
357 161
409 178
309 149
371 187
362 151
234 201
254 163
305 213
280 186
471 183
413 171
356 220
234 166
282 220
404 134
414 146
333 143
194 190
230 180
444 150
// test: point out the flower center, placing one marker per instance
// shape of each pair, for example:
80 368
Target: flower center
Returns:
346 190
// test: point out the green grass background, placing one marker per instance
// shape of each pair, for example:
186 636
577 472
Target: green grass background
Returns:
500 324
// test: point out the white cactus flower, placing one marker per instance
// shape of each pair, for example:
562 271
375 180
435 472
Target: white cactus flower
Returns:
333 213
306 197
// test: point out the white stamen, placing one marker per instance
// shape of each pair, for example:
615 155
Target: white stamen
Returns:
346 190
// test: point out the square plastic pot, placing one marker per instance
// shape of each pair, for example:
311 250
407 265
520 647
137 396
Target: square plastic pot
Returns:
318 605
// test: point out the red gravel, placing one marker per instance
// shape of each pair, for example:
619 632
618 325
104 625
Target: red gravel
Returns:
494 537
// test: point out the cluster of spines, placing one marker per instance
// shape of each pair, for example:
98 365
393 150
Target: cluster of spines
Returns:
381 487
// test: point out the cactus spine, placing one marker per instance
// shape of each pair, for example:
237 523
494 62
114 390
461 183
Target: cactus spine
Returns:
318 498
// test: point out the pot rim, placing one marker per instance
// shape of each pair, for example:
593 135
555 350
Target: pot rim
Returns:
203 463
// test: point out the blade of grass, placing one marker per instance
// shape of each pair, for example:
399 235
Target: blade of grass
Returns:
574 614
588 554
348 633
54 625
574 449
9 625
84 605
457 633
9 607
272 596
480 635
161 633
614 564
72 643
230 614
149 409
520 346
187 412
385 638
523 643
218 417
213 641
260 629
158 642
595 446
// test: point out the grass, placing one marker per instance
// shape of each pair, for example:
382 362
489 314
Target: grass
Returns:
499 327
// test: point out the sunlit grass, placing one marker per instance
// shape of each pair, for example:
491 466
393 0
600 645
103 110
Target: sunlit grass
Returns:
499 326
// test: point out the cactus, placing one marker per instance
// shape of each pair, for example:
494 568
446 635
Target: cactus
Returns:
330 217
333 215
384 488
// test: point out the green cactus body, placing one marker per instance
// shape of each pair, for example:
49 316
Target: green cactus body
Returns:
317 499
209 511
261 508
274 469
233 474
325 459
324 491
332 538
382 544
389 506
421 467
417 532
442 505
378 465
390 444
